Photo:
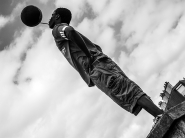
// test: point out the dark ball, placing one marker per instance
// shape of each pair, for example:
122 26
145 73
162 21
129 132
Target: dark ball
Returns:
31 16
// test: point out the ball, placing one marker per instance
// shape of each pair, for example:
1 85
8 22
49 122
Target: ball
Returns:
31 16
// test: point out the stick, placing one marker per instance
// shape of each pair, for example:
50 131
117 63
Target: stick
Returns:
44 23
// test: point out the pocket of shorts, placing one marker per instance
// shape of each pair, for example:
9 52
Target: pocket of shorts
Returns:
112 82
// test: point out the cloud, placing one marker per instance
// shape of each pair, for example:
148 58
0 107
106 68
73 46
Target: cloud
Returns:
49 104
98 6
3 21
75 6
44 1
153 34
10 62
42 96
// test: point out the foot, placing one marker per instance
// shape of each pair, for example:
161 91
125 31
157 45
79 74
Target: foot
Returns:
157 118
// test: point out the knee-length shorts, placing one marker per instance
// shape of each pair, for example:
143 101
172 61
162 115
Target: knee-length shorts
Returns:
110 79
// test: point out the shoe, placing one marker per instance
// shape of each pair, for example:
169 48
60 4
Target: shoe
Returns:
157 118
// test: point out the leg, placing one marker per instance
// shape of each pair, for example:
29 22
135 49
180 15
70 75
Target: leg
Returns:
149 106
121 90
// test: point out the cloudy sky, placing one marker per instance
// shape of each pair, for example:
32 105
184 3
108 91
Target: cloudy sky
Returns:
42 96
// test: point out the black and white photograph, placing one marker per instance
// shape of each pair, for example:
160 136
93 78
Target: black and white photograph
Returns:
92 68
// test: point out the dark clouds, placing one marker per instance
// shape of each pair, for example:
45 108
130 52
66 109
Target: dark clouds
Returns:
8 33
6 6
9 30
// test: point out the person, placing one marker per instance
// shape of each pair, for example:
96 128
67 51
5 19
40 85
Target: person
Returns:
96 68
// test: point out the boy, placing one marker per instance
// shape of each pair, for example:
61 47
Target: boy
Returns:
96 68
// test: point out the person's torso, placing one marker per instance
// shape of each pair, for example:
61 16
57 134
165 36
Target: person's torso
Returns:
65 45
75 56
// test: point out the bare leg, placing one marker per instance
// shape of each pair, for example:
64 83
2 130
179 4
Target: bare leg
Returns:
149 106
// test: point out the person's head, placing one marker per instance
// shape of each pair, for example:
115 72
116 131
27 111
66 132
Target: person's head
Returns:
60 15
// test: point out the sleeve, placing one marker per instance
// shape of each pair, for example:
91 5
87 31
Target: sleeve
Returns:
65 31
61 30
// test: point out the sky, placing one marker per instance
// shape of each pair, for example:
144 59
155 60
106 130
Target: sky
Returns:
42 96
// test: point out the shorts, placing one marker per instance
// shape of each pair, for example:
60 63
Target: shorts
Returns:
110 79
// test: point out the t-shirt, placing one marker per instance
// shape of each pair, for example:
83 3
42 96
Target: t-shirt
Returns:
75 56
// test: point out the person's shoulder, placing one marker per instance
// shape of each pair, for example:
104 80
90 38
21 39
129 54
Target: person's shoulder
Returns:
63 27
63 30
59 28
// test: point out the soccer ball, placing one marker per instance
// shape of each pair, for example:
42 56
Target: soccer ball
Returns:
31 16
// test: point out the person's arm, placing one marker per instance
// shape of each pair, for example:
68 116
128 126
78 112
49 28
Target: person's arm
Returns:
74 36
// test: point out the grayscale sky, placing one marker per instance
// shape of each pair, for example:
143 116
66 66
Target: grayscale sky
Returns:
42 96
